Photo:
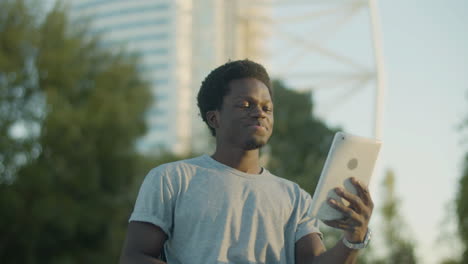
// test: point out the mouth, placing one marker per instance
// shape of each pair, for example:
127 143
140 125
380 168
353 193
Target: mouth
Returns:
257 127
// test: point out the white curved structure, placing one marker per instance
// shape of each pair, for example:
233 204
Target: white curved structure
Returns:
332 47
180 41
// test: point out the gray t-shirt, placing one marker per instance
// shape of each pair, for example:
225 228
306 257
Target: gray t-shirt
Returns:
213 213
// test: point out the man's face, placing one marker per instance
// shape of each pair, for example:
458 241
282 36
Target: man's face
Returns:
246 116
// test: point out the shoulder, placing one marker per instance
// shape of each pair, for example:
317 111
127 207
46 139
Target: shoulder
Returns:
179 166
175 172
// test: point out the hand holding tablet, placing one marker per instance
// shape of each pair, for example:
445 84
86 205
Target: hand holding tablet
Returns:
350 157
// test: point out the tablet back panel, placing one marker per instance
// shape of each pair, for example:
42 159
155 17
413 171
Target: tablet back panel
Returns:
349 156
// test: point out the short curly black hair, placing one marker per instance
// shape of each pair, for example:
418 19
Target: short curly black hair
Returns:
216 84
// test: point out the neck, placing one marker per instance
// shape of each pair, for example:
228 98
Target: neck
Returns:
246 161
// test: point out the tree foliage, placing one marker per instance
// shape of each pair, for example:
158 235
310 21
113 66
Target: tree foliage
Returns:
67 187
19 92
300 141
300 144
462 210
400 249
299 147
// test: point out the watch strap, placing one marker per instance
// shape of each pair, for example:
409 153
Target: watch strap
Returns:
358 245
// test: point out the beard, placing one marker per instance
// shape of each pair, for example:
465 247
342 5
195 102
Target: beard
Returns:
254 143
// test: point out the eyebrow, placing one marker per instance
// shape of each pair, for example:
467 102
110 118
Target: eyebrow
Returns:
250 98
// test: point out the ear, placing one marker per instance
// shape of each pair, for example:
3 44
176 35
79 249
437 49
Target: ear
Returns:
212 117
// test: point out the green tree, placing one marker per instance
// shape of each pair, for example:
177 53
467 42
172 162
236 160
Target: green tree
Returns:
300 141
19 92
462 210
450 261
448 239
299 147
461 201
400 249
68 188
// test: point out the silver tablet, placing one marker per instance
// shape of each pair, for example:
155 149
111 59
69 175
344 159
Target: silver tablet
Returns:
349 156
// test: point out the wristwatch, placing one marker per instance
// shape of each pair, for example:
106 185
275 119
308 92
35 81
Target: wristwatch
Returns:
359 245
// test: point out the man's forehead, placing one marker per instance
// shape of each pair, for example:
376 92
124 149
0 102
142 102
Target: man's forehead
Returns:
247 81
247 87
265 97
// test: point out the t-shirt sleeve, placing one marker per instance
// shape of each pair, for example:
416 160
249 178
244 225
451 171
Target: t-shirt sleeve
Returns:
155 201
306 223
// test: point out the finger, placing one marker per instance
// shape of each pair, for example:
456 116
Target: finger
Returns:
347 211
341 224
355 201
363 192
337 224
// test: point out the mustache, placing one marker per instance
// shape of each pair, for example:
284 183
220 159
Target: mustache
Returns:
258 123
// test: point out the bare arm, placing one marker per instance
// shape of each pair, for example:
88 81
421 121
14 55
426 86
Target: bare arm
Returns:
310 248
143 244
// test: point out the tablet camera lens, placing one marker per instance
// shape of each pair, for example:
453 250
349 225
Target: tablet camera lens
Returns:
352 164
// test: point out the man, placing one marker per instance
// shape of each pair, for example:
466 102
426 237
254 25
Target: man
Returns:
226 208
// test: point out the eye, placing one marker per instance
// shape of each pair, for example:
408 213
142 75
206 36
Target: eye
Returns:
244 104
268 108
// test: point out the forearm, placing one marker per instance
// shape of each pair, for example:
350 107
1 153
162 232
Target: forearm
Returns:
338 254
140 259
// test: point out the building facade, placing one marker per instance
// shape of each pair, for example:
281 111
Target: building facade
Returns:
180 42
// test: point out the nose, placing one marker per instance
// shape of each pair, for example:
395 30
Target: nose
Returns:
257 112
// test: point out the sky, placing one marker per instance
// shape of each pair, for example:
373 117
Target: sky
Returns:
425 101
426 65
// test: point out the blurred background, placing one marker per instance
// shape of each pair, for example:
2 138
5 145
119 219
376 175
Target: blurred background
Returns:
95 93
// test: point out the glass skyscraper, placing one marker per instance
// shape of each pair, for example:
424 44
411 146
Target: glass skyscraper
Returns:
179 41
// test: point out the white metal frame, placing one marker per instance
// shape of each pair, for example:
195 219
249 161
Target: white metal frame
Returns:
346 9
